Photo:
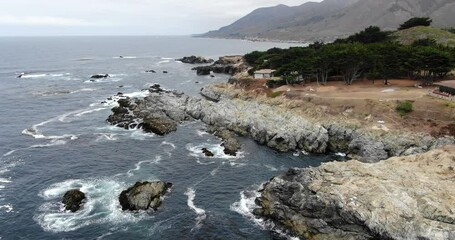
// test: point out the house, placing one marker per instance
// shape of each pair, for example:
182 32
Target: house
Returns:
446 87
264 74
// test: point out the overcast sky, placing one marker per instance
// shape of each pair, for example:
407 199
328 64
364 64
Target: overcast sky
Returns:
123 17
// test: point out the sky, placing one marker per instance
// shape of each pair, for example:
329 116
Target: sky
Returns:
123 17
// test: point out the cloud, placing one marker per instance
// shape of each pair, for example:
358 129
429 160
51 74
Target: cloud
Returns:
47 21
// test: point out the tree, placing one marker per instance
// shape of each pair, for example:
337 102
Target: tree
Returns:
387 60
371 34
351 59
432 62
414 22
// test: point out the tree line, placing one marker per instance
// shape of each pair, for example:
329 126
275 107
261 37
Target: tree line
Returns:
371 53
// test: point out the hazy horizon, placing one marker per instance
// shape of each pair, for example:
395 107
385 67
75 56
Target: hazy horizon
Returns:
123 17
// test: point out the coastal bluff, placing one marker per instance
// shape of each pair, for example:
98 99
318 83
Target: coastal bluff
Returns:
277 127
409 197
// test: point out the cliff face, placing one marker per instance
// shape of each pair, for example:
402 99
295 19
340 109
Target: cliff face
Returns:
274 126
331 19
401 198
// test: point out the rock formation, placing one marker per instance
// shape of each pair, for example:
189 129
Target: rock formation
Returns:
97 76
143 195
195 60
73 200
227 65
401 198
279 128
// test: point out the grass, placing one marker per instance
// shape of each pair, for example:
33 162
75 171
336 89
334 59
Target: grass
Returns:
403 108
409 36
276 94
450 105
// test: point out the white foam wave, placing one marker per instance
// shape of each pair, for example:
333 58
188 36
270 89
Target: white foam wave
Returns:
33 75
41 75
125 57
169 144
139 165
340 154
167 58
140 94
89 111
201 133
106 136
8 208
55 142
83 90
9 153
216 149
201 216
4 180
271 168
100 207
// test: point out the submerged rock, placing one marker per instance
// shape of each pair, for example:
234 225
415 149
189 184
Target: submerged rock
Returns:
73 200
401 198
195 60
143 195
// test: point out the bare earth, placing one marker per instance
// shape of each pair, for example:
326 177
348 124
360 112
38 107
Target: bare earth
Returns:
363 104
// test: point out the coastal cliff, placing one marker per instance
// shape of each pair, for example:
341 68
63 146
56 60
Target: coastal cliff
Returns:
401 198
274 126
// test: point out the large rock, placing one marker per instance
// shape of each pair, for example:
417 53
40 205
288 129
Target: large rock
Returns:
226 65
230 140
160 126
97 76
195 60
143 195
409 197
73 200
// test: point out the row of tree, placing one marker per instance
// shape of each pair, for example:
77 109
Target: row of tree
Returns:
370 53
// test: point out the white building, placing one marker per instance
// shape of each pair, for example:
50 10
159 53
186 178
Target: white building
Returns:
264 74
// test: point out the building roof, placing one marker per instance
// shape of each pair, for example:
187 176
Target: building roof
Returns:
449 84
264 71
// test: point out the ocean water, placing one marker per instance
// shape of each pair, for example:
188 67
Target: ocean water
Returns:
54 138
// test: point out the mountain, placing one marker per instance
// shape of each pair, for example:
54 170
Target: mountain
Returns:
330 19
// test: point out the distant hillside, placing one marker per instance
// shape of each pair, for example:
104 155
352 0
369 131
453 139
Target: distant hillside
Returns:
331 19
408 36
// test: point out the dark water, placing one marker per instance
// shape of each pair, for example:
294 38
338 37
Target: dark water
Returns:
54 138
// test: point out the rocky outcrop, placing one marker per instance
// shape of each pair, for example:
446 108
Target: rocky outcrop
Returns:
226 65
73 200
144 195
195 60
98 76
230 140
401 198
207 152
277 127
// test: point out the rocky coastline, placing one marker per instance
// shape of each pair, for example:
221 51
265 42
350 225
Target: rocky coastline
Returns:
226 65
276 127
401 198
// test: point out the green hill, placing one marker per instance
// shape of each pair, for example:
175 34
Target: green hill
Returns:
408 36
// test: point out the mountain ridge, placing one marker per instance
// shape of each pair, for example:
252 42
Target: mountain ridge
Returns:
331 19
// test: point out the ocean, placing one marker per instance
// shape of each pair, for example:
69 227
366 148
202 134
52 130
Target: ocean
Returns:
55 138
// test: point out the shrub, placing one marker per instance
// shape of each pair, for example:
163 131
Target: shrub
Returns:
414 22
275 83
276 94
404 108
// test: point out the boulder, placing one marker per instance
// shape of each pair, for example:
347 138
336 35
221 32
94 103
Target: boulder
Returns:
143 195
97 76
408 197
159 125
150 71
207 152
73 200
230 140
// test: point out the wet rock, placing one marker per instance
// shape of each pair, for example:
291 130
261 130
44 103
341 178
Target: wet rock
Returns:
165 72
225 65
98 76
401 198
207 152
73 200
150 71
195 60
144 195
230 140
160 126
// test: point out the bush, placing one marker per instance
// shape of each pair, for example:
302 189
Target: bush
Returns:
414 22
275 83
276 94
404 108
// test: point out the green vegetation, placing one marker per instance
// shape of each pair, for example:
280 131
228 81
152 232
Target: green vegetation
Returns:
370 53
404 108
412 35
414 22
276 94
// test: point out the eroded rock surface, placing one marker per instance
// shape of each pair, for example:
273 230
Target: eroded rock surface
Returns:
409 197
73 200
143 195
195 60
227 65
